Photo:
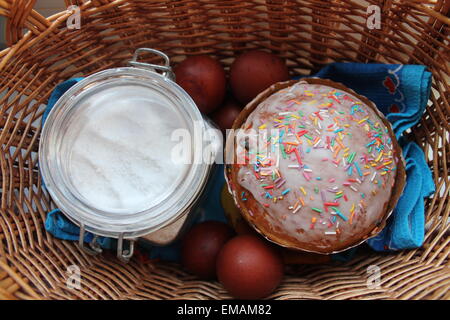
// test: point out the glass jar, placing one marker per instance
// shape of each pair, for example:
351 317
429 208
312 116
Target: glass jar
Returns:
101 164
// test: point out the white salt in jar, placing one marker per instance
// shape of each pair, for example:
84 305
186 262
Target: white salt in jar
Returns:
125 153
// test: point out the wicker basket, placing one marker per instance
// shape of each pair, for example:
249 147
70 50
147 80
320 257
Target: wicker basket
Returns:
307 33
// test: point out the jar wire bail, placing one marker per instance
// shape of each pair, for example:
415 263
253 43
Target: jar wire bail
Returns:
94 247
124 254
165 69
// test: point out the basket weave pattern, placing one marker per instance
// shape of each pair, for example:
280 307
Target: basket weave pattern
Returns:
307 33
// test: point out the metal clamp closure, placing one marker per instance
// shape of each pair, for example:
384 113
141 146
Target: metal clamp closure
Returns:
165 69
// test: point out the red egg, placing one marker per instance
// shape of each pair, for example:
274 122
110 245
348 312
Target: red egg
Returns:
249 267
253 72
204 80
224 117
201 245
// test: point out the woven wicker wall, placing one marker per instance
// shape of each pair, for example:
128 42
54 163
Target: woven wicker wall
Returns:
308 33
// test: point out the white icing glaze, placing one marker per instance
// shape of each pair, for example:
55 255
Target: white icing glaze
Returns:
324 125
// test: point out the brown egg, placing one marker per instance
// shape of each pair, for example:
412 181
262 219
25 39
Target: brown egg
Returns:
204 80
225 115
249 267
201 245
253 72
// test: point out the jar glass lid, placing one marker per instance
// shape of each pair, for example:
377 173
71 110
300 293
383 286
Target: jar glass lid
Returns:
110 152
121 135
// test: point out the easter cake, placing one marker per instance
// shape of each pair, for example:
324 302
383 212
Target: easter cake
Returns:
314 166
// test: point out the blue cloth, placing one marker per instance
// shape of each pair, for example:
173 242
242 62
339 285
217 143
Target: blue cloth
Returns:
406 229
400 92
58 225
